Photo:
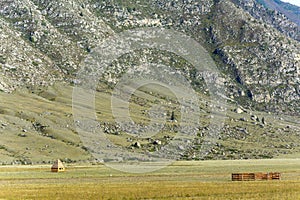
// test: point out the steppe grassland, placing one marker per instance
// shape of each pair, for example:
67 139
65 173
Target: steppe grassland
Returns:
181 180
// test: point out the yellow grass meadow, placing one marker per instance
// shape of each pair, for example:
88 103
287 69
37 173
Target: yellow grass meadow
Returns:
182 180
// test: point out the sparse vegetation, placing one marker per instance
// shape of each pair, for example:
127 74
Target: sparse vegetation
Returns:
44 129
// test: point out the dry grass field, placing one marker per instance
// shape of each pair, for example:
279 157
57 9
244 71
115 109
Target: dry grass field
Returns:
182 180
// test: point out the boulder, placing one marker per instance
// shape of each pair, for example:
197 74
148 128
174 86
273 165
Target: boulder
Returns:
238 110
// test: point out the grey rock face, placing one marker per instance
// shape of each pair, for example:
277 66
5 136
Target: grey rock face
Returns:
43 41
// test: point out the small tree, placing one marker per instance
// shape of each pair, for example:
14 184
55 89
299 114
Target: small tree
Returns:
173 116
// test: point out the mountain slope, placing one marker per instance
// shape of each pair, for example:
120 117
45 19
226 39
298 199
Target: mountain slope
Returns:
274 16
64 32
290 10
258 57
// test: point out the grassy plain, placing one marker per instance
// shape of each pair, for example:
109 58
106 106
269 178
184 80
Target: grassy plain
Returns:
181 180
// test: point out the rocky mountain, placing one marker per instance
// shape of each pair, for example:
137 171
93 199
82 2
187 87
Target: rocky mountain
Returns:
43 42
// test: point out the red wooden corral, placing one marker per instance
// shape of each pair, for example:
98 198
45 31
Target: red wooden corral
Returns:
255 176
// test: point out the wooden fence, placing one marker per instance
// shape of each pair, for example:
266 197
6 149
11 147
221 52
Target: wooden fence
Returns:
255 176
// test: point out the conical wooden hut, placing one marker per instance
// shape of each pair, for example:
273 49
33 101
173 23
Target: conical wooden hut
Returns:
58 166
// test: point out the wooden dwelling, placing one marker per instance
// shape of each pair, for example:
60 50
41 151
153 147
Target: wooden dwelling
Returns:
58 166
